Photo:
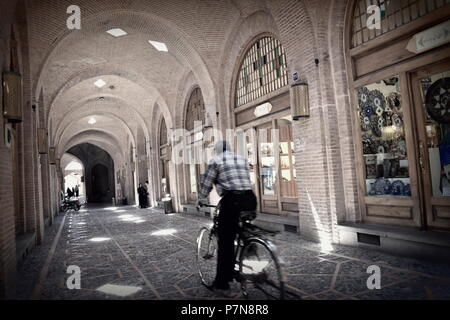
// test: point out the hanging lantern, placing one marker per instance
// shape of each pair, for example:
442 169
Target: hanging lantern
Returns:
12 96
299 100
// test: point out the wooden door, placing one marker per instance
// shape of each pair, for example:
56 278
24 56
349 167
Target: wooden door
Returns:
287 174
268 164
193 171
247 147
431 95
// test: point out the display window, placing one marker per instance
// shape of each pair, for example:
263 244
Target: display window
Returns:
383 137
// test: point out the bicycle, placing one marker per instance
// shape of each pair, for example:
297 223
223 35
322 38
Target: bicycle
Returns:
256 258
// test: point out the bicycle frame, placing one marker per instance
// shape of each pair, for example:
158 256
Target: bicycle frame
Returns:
242 238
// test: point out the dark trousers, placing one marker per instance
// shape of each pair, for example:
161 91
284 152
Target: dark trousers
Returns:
230 207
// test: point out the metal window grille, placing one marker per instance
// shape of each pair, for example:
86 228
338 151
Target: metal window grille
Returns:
195 109
394 13
263 70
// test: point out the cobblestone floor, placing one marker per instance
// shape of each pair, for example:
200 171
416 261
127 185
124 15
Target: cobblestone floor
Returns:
121 257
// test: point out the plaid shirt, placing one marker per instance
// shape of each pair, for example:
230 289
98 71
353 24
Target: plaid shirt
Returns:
227 171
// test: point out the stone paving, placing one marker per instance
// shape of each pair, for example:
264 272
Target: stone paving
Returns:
122 256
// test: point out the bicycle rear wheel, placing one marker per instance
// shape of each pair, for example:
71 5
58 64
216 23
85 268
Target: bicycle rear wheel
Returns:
207 255
260 272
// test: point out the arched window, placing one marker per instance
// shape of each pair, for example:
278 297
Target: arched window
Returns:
393 14
263 70
163 133
195 111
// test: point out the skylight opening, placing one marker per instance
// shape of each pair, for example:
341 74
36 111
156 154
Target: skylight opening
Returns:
100 83
117 32
160 46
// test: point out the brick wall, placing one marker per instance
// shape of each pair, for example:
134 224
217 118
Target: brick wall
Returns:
7 221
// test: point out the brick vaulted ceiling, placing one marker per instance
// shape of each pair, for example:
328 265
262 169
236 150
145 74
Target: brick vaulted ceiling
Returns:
66 63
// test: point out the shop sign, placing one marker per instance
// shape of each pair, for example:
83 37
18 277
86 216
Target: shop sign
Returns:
263 109
430 38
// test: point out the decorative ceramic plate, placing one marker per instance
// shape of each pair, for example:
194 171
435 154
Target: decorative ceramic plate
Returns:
394 100
365 123
363 97
381 123
397 120
372 191
377 99
376 127
397 188
437 100
407 190
382 186
368 111
388 111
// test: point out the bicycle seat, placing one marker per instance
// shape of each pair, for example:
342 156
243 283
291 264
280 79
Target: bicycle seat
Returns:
247 215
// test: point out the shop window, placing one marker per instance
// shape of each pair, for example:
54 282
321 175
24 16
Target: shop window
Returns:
287 160
393 14
381 118
435 93
263 70
164 153
195 113
163 133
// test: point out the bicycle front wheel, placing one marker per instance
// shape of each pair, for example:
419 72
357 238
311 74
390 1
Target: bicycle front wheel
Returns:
260 271
207 255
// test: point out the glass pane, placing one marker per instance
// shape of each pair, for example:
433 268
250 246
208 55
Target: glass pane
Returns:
383 139
193 178
268 163
288 183
251 156
436 105
263 65
393 14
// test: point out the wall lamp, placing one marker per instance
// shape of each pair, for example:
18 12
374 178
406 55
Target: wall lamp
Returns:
299 100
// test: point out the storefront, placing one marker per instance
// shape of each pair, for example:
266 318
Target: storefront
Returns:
263 120
194 121
399 74
164 155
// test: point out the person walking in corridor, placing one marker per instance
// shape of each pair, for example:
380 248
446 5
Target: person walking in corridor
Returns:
230 174
142 196
77 191
69 193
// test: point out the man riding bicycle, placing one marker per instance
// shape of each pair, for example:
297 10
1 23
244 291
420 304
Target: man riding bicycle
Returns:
229 172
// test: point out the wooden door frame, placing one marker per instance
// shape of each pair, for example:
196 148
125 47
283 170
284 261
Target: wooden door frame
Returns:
291 155
424 175
269 126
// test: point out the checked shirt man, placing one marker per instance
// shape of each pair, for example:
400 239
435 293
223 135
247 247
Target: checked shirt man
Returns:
229 172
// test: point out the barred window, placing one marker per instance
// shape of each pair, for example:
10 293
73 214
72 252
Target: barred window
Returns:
163 133
195 109
263 70
394 13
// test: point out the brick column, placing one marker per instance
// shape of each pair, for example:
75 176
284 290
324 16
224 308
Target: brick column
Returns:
7 225
46 188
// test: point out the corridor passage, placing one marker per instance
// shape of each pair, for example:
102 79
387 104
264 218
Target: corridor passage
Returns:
130 253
